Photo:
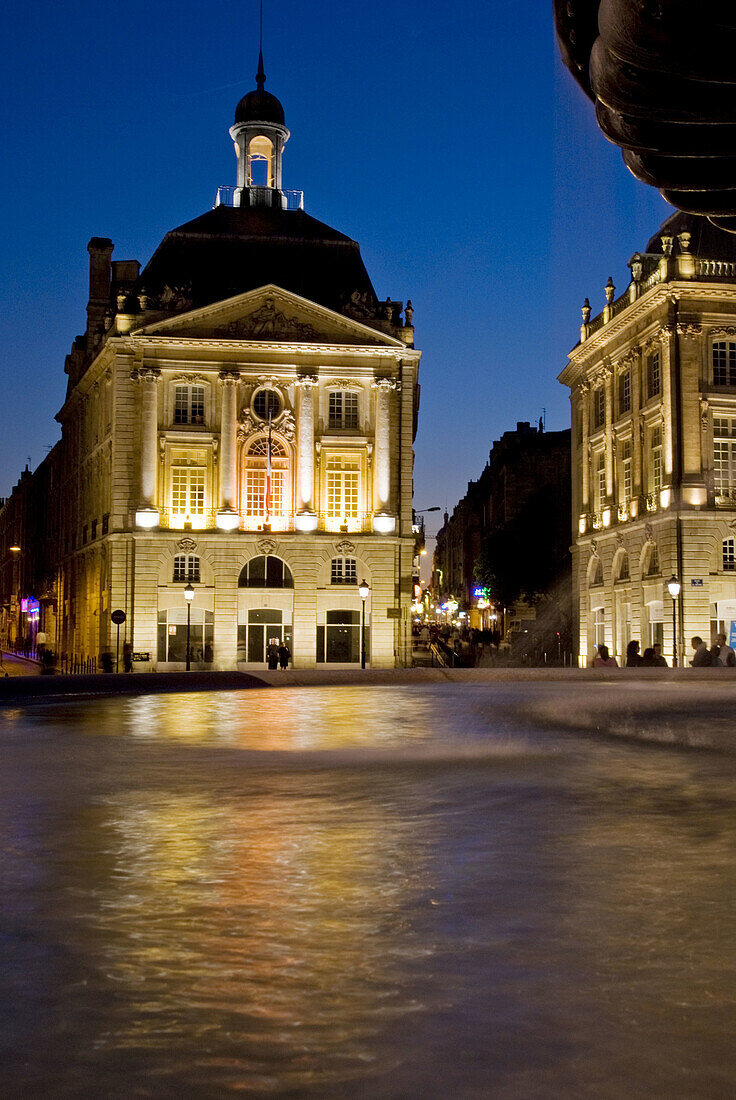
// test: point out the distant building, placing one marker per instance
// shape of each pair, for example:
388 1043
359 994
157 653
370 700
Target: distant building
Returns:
239 417
653 395
525 465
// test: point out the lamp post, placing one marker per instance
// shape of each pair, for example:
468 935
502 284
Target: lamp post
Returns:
673 587
189 596
363 590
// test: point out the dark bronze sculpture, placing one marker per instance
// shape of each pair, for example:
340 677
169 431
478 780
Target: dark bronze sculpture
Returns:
662 75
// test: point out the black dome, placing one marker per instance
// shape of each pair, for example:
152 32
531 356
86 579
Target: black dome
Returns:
259 106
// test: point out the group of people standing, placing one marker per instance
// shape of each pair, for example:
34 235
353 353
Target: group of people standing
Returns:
720 655
277 655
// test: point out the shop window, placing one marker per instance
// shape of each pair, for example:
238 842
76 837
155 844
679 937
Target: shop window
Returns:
338 641
172 635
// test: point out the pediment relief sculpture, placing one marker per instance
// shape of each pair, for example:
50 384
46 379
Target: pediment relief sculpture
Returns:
268 322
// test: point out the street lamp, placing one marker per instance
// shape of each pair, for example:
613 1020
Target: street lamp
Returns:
363 590
189 596
673 587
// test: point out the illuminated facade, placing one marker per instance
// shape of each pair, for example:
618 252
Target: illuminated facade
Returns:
240 415
653 394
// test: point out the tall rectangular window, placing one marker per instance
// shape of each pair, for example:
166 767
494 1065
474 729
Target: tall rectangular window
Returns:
600 482
657 460
724 456
343 411
626 470
188 483
624 392
599 408
654 375
724 363
189 405
343 486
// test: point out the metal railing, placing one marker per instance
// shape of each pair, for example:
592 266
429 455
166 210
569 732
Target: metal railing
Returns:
294 200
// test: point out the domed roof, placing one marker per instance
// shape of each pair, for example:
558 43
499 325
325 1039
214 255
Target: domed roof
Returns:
259 105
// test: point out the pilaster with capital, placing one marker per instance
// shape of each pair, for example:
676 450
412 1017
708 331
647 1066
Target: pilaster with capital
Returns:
228 439
382 451
584 450
306 385
668 337
147 377
608 384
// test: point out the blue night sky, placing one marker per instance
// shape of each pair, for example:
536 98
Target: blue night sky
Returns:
447 139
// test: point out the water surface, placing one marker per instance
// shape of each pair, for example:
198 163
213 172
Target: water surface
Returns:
374 892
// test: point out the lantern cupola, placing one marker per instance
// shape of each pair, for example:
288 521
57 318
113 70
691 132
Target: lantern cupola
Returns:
260 135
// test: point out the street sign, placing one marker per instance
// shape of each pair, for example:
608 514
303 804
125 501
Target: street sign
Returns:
118 617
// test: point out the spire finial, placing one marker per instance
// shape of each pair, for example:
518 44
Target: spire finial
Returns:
260 75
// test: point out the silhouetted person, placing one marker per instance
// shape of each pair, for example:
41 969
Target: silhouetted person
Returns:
701 657
284 654
633 657
648 659
127 657
659 660
603 658
106 661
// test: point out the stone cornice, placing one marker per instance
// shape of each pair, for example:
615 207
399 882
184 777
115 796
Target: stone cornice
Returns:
312 350
661 295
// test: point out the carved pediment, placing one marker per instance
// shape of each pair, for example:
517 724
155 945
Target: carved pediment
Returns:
269 313
268 323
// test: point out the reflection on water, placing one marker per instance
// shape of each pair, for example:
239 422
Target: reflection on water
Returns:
383 892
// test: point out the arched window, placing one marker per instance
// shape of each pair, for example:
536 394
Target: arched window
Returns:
186 569
265 571
651 565
266 483
729 554
344 571
260 162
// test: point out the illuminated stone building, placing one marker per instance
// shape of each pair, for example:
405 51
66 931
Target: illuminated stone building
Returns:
240 416
653 393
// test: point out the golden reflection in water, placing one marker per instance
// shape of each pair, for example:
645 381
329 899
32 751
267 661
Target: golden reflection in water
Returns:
278 916
276 720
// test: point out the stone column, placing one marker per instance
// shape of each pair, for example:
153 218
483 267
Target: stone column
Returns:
306 517
227 517
384 520
147 514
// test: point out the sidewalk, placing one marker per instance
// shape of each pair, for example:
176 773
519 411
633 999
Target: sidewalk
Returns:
13 665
